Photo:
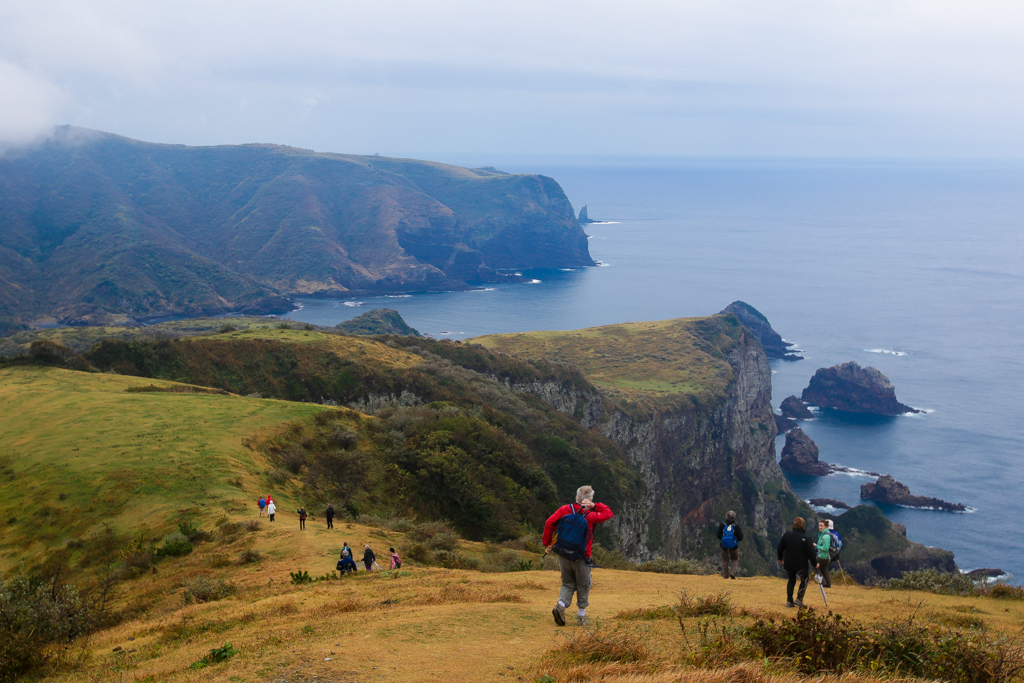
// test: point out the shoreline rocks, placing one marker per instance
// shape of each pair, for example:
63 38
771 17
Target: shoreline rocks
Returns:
800 455
783 424
888 490
754 320
854 389
828 502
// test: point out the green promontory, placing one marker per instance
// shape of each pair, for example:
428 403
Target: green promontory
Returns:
377 321
97 229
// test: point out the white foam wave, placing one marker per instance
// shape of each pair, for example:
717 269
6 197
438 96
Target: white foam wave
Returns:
966 511
828 508
397 296
853 472
352 304
533 282
889 352
568 270
590 237
602 264
298 307
483 289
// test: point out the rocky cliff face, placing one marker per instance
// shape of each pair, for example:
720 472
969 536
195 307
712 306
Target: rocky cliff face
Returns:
698 458
800 455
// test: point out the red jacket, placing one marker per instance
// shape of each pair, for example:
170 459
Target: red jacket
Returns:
600 513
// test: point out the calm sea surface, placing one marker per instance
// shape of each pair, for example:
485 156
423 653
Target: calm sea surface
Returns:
916 270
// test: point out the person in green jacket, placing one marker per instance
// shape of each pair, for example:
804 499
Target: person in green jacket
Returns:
824 543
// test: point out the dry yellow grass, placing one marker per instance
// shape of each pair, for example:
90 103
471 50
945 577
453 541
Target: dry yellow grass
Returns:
430 624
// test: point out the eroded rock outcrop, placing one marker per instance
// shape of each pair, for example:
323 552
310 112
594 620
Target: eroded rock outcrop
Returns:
828 503
756 322
794 409
783 424
377 321
800 455
888 490
850 387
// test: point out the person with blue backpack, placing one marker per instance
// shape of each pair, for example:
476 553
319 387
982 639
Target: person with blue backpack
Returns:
570 534
730 534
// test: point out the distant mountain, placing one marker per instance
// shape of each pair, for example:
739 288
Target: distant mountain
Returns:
99 228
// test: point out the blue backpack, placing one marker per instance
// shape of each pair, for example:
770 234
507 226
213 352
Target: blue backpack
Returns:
836 546
573 534
729 537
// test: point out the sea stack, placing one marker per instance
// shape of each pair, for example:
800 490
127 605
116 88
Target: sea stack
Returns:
800 455
850 387
754 320
888 490
794 409
584 218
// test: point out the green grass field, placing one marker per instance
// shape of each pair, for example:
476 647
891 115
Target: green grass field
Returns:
655 359
77 451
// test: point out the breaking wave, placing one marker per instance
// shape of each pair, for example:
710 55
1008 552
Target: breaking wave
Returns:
889 352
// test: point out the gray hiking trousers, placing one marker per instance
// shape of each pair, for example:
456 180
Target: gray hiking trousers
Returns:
575 579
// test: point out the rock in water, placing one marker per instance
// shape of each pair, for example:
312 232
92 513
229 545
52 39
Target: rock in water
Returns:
800 455
850 387
828 502
794 409
377 321
584 218
783 424
888 490
754 320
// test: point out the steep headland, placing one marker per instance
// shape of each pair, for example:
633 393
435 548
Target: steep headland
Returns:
850 387
689 401
756 322
97 228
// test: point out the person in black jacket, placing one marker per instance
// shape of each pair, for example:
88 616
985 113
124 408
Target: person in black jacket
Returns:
796 552
330 516
730 545
369 559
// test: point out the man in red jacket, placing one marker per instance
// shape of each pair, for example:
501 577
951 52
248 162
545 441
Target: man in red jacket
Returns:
573 544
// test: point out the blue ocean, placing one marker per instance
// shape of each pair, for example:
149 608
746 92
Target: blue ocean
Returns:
915 269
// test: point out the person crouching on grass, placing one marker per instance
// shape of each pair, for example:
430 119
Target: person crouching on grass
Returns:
573 544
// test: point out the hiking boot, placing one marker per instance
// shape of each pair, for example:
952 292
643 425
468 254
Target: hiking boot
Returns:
790 604
581 621
559 614
799 603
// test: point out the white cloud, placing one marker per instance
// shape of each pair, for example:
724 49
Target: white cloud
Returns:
880 77
27 105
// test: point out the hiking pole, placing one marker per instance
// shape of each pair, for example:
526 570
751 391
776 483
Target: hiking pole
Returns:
821 582
845 582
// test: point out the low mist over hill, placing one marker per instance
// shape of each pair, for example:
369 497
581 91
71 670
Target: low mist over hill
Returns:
99 228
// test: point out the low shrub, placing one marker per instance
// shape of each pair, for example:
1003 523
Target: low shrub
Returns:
1002 591
215 656
174 545
456 560
300 577
252 525
498 560
610 559
932 581
204 589
425 531
814 643
249 556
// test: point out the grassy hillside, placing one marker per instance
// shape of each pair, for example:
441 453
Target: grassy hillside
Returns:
97 228
638 362
79 451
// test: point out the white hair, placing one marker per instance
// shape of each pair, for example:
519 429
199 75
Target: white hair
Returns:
584 493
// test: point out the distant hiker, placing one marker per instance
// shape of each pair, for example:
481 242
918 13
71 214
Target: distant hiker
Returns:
346 564
271 509
730 534
396 561
262 504
302 518
573 541
330 516
369 559
796 554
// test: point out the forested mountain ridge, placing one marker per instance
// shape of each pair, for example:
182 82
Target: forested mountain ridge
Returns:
96 228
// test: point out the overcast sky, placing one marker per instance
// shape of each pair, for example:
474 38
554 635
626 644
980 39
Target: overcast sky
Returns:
892 78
